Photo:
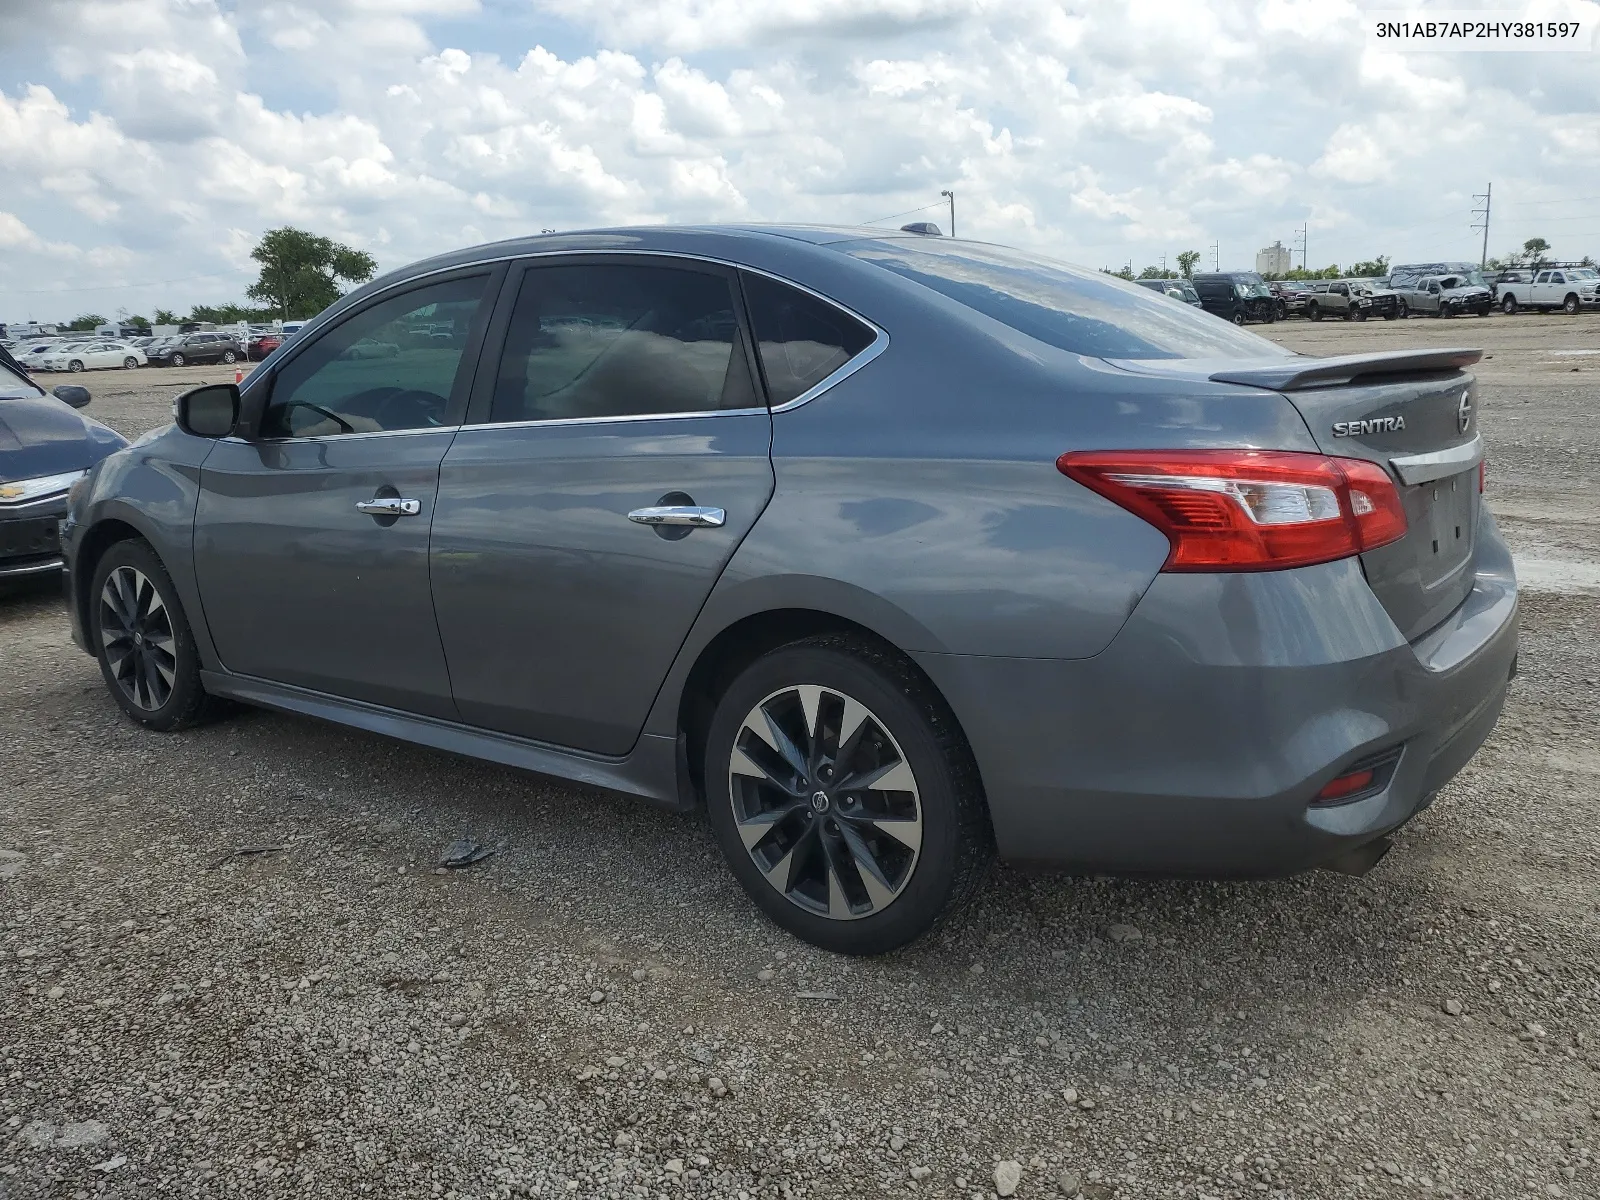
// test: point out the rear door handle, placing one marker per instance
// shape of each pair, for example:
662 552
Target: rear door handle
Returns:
695 515
389 506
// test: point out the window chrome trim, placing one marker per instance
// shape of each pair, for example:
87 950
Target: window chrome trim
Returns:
671 416
1439 464
322 437
880 340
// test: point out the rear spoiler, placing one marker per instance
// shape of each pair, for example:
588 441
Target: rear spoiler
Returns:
1290 375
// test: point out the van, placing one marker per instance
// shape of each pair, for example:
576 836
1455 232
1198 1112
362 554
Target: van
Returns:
1236 296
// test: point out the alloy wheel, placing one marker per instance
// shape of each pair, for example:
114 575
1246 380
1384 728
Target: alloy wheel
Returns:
825 802
136 632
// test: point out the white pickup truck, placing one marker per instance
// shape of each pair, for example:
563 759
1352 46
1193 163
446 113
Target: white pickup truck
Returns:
1568 288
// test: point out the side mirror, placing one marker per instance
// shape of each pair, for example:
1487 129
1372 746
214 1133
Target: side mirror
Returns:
71 393
211 411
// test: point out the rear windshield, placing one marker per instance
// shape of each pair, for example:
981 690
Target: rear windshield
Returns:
1075 309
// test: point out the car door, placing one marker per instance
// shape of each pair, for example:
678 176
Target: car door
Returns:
311 533
617 451
1539 290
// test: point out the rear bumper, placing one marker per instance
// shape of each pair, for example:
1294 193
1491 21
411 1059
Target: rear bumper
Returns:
1195 742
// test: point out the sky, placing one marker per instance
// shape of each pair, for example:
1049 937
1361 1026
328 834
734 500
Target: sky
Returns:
148 144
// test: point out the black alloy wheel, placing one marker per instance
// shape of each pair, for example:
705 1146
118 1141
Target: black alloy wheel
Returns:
138 631
843 797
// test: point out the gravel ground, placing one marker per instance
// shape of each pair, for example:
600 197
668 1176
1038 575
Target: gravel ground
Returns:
229 966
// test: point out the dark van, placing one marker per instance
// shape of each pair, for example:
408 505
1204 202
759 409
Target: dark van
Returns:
1236 296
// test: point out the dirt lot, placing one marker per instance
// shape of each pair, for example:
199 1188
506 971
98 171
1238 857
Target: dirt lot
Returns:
597 1010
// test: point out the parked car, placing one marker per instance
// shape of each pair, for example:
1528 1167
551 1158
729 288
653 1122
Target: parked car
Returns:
906 604
262 345
1352 299
1447 296
1178 289
32 354
1236 296
1291 295
45 447
197 348
1570 289
1406 278
94 356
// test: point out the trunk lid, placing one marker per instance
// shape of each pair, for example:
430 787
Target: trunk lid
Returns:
1416 414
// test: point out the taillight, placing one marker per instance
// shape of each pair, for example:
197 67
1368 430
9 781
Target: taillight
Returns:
1248 510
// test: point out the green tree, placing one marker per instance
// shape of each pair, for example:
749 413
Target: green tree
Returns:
1332 272
165 316
1533 251
1372 268
84 323
1157 273
229 314
301 272
1187 261
1120 272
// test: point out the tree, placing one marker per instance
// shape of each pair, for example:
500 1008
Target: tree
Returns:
165 316
1120 272
85 323
1187 261
228 314
1372 268
1533 251
301 272
1156 273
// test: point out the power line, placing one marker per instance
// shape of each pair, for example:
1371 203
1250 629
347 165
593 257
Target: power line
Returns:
1488 191
936 204
113 287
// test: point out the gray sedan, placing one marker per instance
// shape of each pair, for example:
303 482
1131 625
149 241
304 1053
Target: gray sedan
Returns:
889 552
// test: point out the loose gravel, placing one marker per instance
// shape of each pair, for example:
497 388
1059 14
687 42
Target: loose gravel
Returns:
231 966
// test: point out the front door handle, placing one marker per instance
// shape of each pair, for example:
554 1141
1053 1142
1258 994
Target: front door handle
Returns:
389 506
696 516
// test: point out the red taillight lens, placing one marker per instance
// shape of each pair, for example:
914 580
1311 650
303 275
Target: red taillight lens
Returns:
1248 510
1347 785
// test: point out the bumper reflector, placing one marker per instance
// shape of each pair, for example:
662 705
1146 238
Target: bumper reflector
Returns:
1346 785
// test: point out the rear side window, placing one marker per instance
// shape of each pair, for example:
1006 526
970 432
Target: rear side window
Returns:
1072 308
607 341
802 340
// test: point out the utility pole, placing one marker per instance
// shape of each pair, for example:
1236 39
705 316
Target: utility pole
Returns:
952 198
1216 256
1488 190
1163 266
1304 264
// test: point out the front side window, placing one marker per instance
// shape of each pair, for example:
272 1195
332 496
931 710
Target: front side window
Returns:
802 340
611 340
1074 309
370 373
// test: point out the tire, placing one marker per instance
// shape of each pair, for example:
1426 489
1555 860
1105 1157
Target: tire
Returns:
129 363
823 896
1238 318
1509 306
1486 310
1314 311
178 360
75 366
1570 304
1404 310
229 357
1390 315
155 676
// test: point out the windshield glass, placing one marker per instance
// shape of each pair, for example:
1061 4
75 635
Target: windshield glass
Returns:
1076 309
1583 273
14 386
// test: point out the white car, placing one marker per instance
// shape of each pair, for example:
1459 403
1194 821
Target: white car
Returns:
90 356
32 354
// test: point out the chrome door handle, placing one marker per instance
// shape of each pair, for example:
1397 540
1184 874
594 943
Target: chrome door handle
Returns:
389 506
695 515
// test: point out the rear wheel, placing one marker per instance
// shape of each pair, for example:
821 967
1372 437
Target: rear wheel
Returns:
143 641
844 797
1570 304
1508 305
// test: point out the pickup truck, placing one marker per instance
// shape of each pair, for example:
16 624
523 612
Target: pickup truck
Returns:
1446 296
1352 299
1569 289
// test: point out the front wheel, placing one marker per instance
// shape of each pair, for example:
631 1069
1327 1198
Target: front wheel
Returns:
1405 310
1314 311
1509 305
146 650
1238 318
178 360
129 363
74 366
843 795
1570 306
228 356
1390 315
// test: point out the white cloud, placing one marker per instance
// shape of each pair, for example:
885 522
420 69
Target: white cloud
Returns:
1109 131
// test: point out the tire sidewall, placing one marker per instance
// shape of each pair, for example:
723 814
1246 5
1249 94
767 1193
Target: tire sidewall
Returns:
933 877
186 690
